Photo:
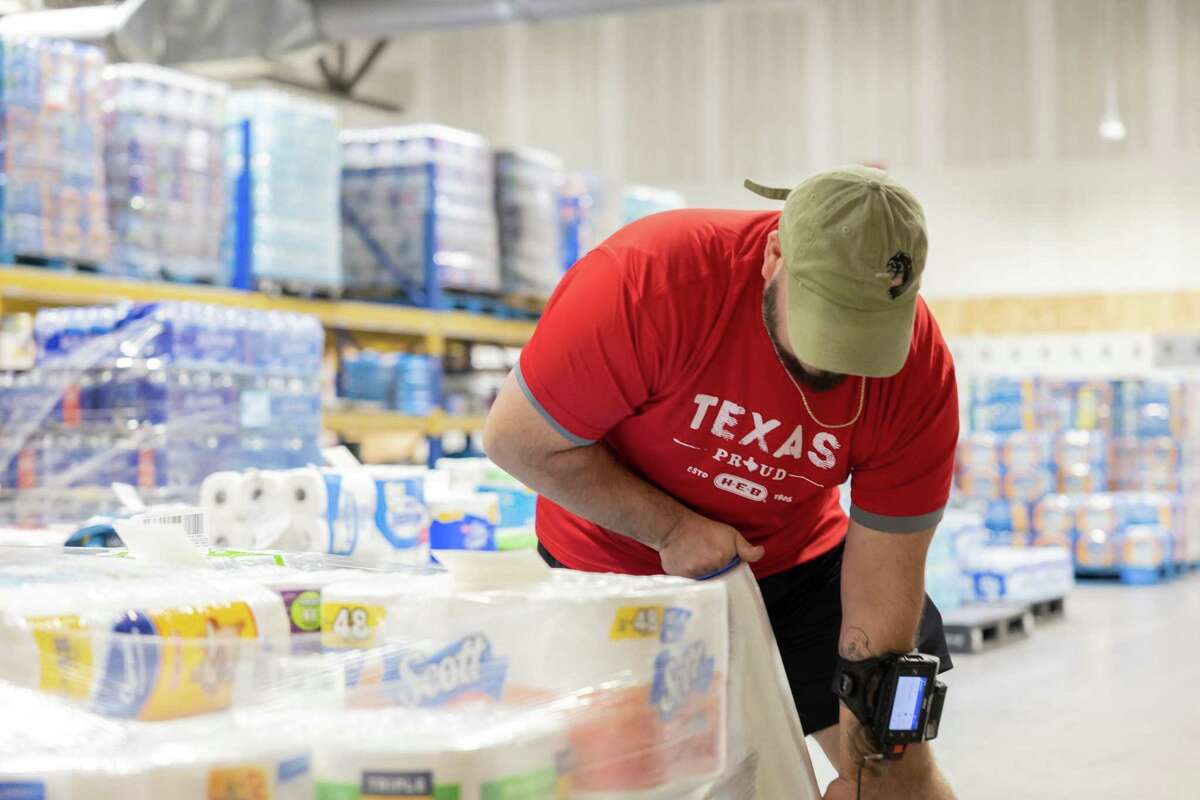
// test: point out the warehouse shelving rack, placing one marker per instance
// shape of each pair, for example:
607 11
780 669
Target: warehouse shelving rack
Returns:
366 324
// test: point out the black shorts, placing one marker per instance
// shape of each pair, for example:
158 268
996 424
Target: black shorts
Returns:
804 604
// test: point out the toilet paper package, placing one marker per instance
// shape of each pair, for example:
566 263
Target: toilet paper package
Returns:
464 521
651 656
340 504
341 512
150 649
401 513
1054 520
265 512
509 683
467 754
54 752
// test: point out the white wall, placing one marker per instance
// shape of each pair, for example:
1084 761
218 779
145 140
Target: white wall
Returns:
987 108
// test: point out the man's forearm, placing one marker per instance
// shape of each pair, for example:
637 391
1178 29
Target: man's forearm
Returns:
883 591
883 596
589 482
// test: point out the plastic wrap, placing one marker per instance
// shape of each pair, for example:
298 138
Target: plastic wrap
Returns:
409 383
527 198
418 208
165 159
53 205
284 164
1135 437
502 680
156 396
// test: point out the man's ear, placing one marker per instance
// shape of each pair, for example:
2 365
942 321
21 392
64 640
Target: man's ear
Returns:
772 256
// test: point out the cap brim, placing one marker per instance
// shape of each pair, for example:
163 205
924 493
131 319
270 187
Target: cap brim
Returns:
833 338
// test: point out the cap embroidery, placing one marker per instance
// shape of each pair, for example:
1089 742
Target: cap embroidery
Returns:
899 269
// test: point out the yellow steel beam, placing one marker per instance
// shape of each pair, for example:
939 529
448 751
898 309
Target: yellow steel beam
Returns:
360 424
27 288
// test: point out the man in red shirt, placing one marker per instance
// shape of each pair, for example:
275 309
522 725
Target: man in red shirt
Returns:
700 386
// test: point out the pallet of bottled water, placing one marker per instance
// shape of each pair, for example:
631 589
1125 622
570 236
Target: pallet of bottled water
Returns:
157 396
284 167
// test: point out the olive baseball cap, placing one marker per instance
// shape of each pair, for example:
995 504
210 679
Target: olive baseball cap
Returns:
854 245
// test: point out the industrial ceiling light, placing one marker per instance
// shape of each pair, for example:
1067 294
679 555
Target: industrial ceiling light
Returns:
1111 126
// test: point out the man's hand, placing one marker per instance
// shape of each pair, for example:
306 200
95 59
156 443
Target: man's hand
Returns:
696 546
912 778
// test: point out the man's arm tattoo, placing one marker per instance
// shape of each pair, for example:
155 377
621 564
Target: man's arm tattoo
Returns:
855 645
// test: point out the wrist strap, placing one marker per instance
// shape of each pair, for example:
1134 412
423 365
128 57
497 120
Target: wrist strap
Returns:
857 684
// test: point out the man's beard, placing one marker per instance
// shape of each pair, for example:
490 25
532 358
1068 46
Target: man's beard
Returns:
819 382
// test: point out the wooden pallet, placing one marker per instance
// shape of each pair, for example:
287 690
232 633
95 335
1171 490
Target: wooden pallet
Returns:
1047 610
46 262
295 289
494 305
975 629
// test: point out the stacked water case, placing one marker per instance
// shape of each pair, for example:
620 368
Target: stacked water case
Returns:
405 382
158 396
527 203
418 213
284 164
52 200
165 155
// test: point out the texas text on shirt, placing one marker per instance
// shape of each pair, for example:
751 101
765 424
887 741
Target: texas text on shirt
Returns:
654 344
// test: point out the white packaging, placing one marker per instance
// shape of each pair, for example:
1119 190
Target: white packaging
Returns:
465 754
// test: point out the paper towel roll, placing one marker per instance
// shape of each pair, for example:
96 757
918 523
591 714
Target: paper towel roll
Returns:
469 755
306 494
265 506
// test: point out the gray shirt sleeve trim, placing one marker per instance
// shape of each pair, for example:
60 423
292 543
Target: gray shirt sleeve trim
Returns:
533 401
886 524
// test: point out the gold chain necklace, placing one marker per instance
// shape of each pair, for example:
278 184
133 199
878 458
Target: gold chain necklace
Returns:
862 399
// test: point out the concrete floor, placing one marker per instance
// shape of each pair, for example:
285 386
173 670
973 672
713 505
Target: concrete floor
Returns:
1104 703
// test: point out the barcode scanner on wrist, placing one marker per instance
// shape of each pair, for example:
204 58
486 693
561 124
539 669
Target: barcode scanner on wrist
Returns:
898 698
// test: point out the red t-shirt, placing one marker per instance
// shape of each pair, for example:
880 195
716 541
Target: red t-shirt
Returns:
654 344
